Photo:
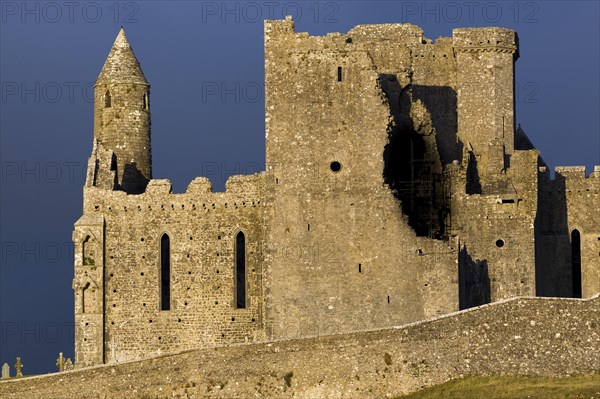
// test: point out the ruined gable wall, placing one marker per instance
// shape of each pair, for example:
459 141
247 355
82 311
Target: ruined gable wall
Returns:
202 226
339 244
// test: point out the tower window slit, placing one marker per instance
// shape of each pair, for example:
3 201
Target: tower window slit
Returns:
576 263
240 270
339 74
165 272
107 100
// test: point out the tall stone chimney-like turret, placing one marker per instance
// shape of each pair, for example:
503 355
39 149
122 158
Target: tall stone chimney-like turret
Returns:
122 116
485 59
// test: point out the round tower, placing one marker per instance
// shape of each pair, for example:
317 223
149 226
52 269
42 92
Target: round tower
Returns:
122 116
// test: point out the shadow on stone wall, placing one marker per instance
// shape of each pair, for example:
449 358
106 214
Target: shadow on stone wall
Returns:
440 101
554 277
412 160
134 181
473 183
473 281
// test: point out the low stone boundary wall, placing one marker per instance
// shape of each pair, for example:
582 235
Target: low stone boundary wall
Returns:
527 336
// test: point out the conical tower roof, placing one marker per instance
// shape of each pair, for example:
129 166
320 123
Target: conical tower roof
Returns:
121 66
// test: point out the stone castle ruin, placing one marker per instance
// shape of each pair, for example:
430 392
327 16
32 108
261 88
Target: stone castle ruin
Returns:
397 188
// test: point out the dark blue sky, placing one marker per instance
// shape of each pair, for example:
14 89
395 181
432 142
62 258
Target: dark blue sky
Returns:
204 61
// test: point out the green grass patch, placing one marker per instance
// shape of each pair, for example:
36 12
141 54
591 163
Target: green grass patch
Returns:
514 387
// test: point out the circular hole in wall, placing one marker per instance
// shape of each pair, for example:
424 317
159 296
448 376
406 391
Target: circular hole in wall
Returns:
499 243
335 166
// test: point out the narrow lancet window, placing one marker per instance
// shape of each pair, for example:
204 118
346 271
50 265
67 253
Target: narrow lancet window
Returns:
339 74
89 299
145 102
576 262
107 100
240 270
165 273
88 252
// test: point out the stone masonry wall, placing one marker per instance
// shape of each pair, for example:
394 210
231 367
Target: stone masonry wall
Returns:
485 81
497 228
202 226
353 260
524 336
568 202
124 127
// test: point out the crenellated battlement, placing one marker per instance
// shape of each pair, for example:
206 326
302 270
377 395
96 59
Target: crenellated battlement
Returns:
361 37
577 172
242 191
571 173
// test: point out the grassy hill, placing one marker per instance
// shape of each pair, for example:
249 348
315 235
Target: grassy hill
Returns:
509 387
